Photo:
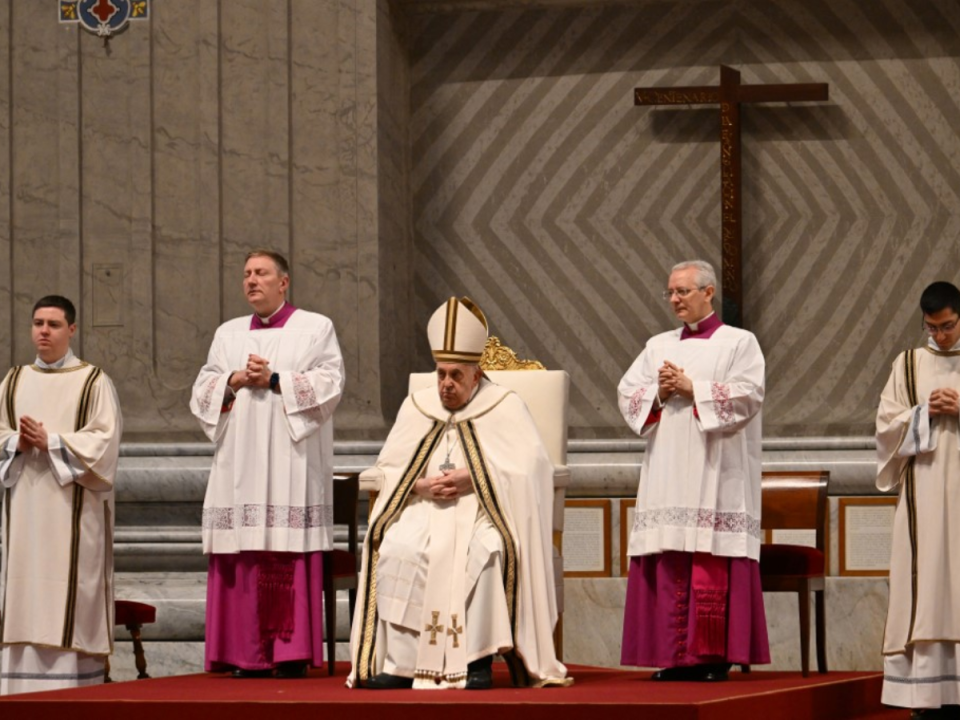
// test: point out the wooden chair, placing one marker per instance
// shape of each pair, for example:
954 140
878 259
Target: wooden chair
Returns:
797 500
133 616
340 566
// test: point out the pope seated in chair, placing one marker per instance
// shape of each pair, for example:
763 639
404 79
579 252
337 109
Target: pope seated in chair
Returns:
457 561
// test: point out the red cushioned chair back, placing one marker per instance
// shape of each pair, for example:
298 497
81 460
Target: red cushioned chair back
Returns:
795 501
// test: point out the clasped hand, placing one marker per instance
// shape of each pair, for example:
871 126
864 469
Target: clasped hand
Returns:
944 401
671 379
32 434
446 486
255 374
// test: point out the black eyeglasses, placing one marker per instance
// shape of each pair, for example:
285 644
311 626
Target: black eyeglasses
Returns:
681 292
936 329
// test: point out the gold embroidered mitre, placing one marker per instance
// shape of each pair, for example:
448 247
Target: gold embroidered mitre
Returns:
457 332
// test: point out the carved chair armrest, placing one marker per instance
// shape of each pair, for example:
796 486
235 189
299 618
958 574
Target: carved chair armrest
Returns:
371 479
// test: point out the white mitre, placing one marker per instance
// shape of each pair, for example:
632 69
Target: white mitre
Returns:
457 332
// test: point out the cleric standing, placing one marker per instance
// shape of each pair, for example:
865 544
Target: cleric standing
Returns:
694 602
918 454
266 397
60 428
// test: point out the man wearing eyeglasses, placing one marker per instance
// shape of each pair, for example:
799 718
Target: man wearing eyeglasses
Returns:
694 602
918 451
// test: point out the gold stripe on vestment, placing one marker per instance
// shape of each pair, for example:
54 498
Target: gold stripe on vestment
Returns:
910 489
52 371
941 353
487 495
69 618
910 376
910 493
9 399
84 408
365 658
87 467
9 404
6 545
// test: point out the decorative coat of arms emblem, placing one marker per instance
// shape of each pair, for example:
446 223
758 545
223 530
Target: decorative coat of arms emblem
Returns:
103 17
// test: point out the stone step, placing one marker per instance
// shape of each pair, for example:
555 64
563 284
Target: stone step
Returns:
165 659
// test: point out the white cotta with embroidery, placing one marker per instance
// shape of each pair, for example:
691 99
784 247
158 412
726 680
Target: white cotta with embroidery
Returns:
700 483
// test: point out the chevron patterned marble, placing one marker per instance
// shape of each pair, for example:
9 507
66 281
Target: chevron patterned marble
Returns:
541 191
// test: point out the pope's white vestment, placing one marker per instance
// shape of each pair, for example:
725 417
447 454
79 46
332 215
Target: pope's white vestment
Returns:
270 487
700 484
444 583
920 456
58 517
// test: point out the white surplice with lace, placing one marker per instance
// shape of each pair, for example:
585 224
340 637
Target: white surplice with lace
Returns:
270 487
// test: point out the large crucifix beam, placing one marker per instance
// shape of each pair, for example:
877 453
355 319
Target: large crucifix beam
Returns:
729 95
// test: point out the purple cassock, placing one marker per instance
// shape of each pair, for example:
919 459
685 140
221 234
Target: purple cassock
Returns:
264 608
686 609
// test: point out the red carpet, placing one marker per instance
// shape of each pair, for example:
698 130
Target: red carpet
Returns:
605 693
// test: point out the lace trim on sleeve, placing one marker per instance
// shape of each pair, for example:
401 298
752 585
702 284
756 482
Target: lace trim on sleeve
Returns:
206 398
720 393
636 403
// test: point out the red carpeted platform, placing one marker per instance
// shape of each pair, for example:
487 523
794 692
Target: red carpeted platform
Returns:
598 693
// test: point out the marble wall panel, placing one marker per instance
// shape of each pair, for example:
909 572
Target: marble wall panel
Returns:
186 201
116 212
44 101
6 146
335 188
324 273
396 290
381 319
255 138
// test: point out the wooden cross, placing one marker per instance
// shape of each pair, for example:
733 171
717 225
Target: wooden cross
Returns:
434 628
455 630
729 95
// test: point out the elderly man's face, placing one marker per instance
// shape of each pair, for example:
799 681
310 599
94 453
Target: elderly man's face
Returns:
263 285
51 333
455 382
690 303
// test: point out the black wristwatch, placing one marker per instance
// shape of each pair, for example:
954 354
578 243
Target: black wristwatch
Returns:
274 381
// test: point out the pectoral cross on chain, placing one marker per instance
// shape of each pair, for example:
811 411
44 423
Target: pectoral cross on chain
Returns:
433 628
446 466
455 630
